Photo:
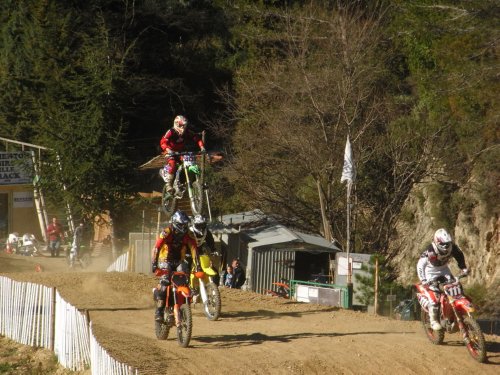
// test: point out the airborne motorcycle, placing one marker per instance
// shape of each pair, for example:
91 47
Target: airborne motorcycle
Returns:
177 311
187 177
455 314
209 291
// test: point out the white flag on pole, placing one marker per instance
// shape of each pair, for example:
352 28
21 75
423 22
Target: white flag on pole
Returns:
348 171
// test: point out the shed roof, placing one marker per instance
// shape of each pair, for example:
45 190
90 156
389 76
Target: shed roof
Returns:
280 237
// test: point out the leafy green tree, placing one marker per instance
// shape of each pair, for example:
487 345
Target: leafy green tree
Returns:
312 75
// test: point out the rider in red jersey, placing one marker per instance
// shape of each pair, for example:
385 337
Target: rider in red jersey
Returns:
174 141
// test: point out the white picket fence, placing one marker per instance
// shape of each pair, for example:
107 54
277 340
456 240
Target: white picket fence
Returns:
36 315
120 264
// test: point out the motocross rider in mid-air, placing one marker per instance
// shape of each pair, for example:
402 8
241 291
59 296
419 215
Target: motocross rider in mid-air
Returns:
174 141
432 264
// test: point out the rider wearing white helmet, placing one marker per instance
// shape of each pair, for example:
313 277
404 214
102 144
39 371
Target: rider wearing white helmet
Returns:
204 240
433 263
174 141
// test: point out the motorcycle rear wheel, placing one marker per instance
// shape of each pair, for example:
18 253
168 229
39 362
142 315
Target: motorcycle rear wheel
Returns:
436 337
476 346
161 330
212 309
197 199
168 202
185 329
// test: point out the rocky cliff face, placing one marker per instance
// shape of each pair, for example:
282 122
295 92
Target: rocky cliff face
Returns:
475 230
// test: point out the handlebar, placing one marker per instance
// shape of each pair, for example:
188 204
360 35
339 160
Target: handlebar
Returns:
181 153
438 280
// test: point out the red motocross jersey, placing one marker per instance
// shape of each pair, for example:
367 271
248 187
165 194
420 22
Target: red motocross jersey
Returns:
175 142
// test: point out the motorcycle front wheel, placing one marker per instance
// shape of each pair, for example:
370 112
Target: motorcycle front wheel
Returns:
197 198
185 328
476 345
436 337
168 202
213 306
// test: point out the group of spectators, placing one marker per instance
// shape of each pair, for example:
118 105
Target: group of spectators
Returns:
234 275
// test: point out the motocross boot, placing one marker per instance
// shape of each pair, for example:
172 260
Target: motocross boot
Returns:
433 317
160 308
169 181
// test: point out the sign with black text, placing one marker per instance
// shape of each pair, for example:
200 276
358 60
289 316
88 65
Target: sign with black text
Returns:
15 168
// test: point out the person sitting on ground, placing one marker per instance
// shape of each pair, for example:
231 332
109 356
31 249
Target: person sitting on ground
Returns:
227 277
238 274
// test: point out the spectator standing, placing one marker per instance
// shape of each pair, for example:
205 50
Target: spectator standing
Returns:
238 274
56 236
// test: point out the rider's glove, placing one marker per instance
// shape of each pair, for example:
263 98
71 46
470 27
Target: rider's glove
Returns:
154 267
203 151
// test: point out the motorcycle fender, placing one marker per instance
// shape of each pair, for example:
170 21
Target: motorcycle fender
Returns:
464 305
194 169
184 290
205 265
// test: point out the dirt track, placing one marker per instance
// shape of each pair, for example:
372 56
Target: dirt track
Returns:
255 335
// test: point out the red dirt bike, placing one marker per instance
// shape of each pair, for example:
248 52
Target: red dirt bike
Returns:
178 309
282 291
455 314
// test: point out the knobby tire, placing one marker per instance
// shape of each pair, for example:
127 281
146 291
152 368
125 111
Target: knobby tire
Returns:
168 202
476 346
436 337
197 199
212 310
161 330
186 327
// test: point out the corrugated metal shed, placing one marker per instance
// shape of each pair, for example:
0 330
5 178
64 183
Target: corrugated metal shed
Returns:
278 236
267 249
272 254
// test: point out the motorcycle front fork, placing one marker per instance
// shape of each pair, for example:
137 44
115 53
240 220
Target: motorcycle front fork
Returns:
461 325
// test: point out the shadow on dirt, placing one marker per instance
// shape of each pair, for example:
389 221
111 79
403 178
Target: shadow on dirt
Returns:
269 314
229 341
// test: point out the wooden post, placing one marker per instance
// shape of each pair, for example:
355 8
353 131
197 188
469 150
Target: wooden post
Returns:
375 304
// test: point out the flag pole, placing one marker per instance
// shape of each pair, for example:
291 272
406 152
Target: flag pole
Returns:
349 175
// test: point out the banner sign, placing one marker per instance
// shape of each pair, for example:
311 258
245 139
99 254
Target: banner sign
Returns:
23 199
15 168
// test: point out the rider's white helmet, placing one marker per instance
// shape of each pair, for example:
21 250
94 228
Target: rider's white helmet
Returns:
199 228
180 124
442 242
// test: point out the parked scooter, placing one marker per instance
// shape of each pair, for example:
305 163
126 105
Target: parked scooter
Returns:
26 245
